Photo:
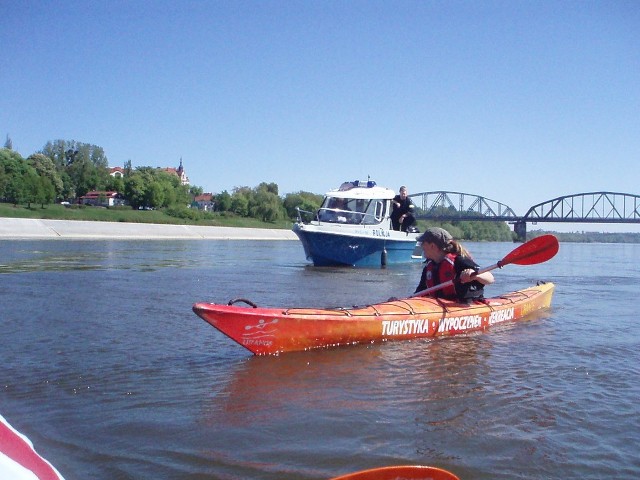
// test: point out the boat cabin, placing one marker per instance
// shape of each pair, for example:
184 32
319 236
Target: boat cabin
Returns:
357 203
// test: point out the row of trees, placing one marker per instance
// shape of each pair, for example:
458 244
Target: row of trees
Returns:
466 228
263 202
478 231
67 170
594 237
60 171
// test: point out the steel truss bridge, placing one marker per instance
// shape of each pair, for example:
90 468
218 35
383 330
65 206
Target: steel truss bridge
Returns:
592 207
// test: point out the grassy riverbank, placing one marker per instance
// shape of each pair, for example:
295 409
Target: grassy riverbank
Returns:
60 212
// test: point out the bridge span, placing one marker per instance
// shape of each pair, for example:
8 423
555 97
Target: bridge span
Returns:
591 207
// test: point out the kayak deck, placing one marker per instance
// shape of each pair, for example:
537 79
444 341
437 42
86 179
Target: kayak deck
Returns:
266 331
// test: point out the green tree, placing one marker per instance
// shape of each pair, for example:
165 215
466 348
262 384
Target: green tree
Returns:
8 156
306 201
134 189
46 192
241 201
264 202
17 190
267 206
16 173
115 184
56 151
4 179
155 188
30 187
170 194
154 195
47 169
68 188
10 165
82 177
269 187
223 201
177 194
86 166
195 191
240 204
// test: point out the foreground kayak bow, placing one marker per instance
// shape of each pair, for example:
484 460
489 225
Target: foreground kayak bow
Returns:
408 472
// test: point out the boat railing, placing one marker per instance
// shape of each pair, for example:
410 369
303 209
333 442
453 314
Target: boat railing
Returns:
337 215
304 216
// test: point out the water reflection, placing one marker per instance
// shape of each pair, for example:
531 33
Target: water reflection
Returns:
264 389
397 401
97 255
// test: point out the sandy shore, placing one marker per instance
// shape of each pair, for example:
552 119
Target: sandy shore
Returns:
36 229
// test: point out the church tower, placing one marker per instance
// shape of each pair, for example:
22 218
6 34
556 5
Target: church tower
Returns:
184 180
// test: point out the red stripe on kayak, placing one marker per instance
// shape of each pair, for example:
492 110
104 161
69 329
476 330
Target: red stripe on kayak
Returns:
21 451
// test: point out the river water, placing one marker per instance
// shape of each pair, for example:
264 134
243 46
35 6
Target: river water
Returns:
111 375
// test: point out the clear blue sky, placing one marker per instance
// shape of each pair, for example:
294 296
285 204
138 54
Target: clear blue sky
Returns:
516 101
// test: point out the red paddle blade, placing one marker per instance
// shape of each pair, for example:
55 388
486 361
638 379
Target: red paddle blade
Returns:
536 250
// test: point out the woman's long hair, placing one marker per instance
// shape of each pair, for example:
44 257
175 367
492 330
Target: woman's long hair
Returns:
456 248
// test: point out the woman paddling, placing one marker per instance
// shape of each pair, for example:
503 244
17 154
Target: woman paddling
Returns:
449 260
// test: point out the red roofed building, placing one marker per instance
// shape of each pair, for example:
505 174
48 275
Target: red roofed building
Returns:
205 202
102 199
117 172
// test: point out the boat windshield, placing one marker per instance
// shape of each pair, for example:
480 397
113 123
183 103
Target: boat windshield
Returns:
352 210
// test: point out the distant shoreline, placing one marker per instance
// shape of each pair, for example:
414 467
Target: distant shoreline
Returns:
41 229
44 229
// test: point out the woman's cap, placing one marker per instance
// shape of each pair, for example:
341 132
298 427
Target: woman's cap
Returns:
436 235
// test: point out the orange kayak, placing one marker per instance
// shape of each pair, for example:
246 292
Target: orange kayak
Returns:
271 331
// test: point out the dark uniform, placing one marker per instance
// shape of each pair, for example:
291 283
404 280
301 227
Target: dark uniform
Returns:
406 208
